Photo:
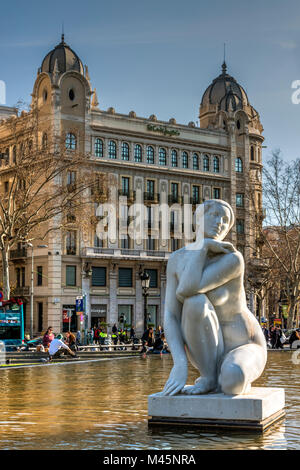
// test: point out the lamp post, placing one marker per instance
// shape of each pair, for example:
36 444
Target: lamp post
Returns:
145 280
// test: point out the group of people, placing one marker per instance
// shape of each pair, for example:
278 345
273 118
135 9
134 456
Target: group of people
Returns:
275 337
154 343
57 345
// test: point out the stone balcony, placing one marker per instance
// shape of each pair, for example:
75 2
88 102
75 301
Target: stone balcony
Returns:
124 253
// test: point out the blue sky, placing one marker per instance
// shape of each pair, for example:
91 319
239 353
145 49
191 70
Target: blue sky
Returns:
158 57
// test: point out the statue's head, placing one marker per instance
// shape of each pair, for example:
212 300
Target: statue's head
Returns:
214 219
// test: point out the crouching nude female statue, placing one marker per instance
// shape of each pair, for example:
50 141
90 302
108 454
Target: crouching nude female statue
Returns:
206 315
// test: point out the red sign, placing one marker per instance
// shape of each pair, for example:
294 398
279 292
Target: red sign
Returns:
65 316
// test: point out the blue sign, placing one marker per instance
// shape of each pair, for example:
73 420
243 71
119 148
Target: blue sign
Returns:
79 305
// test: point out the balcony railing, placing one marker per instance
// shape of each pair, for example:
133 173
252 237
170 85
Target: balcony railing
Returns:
115 252
17 254
22 290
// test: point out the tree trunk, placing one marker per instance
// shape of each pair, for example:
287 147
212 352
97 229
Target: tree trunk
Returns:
291 315
5 274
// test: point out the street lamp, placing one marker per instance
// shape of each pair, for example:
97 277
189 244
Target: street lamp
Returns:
145 280
31 287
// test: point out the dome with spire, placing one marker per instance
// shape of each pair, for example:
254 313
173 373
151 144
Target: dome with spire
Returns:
225 92
62 58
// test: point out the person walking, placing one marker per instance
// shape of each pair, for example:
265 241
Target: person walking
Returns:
273 336
266 334
278 336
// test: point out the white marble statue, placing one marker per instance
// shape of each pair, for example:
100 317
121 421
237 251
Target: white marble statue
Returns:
206 315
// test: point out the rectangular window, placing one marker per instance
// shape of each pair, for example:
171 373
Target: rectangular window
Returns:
71 243
18 276
216 193
196 195
150 188
240 226
98 242
125 315
98 276
71 276
174 192
22 277
125 277
153 277
125 243
71 177
39 271
150 243
239 200
174 244
40 315
6 187
125 186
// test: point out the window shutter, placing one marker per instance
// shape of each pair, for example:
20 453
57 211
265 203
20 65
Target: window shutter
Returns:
98 276
125 277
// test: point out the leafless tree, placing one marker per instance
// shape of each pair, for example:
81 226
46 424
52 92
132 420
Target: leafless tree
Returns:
44 185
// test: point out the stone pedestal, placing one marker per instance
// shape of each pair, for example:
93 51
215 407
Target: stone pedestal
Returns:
257 411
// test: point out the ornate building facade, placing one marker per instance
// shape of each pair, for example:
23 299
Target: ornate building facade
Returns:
166 161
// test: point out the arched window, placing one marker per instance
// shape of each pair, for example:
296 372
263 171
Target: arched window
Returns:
99 147
239 165
206 163
216 164
138 153
185 160
162 156
252 153
174 160
71 141
125 151
150 154
44 141
112 149
195 162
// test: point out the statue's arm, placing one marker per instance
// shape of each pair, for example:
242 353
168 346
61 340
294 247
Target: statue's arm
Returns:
190 279
228 267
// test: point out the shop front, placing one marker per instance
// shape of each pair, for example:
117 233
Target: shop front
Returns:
98 314
69 318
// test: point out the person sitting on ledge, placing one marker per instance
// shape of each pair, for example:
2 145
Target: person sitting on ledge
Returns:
206 315
58 347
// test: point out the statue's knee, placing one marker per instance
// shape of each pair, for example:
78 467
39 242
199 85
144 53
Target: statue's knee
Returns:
232 379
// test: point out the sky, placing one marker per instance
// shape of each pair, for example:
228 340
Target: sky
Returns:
159 56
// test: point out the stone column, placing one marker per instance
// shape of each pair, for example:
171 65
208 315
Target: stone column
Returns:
85 283
139 305
113 299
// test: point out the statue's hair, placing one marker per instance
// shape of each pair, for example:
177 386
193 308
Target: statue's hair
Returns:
208 204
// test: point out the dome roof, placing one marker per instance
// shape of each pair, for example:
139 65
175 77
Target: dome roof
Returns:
225 92
65 58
